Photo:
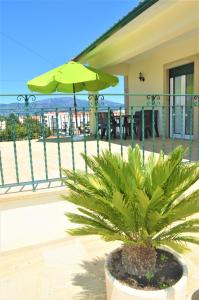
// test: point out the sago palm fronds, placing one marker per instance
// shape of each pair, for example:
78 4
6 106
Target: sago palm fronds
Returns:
140 205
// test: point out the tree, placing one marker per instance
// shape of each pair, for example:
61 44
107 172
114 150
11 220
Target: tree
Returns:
143 206
19 131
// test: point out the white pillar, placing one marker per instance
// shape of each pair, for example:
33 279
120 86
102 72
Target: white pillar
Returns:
126 97
92 106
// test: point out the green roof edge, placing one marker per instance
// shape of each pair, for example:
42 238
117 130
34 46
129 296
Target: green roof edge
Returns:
140 8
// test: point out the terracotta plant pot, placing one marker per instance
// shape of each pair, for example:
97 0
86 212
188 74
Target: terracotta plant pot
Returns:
116 290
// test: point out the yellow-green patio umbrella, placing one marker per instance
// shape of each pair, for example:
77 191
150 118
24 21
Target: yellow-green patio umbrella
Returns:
72 77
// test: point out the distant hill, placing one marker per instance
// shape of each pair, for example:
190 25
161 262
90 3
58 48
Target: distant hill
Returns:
52 103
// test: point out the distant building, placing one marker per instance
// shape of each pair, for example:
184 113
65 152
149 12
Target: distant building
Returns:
22 119
63 120
2 125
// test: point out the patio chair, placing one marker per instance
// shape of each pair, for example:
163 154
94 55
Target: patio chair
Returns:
126 125
103 124
148 126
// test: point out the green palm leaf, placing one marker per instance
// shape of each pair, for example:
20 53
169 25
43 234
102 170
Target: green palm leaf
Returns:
135 203
187 207
188 226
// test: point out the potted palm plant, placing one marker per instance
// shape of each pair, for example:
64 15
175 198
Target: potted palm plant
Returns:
147 208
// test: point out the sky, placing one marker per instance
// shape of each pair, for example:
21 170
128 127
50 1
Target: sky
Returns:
38 35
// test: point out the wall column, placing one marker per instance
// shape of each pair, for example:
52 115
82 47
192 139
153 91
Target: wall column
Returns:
126 91
92 106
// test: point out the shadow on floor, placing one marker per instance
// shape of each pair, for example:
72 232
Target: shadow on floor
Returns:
28 187
66 139
195 295
92 281
167 145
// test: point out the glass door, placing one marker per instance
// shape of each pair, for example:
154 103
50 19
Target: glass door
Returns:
181 111
188 106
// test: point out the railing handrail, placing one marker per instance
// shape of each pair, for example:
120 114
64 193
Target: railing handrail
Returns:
102 94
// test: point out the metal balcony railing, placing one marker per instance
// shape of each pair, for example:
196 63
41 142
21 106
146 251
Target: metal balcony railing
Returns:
39 138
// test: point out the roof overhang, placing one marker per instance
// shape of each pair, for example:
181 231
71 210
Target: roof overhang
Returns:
163 21
139 9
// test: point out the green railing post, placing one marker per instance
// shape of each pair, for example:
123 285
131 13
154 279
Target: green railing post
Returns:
71 139
1 170
163 130
30 149
43 133
58 144
15 147
40 122
97 129
198 137
190 132
143 135
121 133
181 121
172 133
109 129
132 128
153 129
84 129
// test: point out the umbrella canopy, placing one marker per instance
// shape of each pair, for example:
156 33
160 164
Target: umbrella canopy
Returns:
72 77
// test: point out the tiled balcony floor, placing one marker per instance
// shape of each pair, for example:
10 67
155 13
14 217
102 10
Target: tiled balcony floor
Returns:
63 267
66 157
64 270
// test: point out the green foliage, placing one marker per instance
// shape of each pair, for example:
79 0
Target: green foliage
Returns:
136 203
19 130
150 276
163 258
163 285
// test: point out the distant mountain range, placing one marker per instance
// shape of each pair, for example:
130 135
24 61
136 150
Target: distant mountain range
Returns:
52 103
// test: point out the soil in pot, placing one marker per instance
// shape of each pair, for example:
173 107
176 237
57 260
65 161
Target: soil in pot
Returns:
167 272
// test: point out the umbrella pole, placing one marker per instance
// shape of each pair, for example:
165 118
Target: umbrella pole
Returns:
75 105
